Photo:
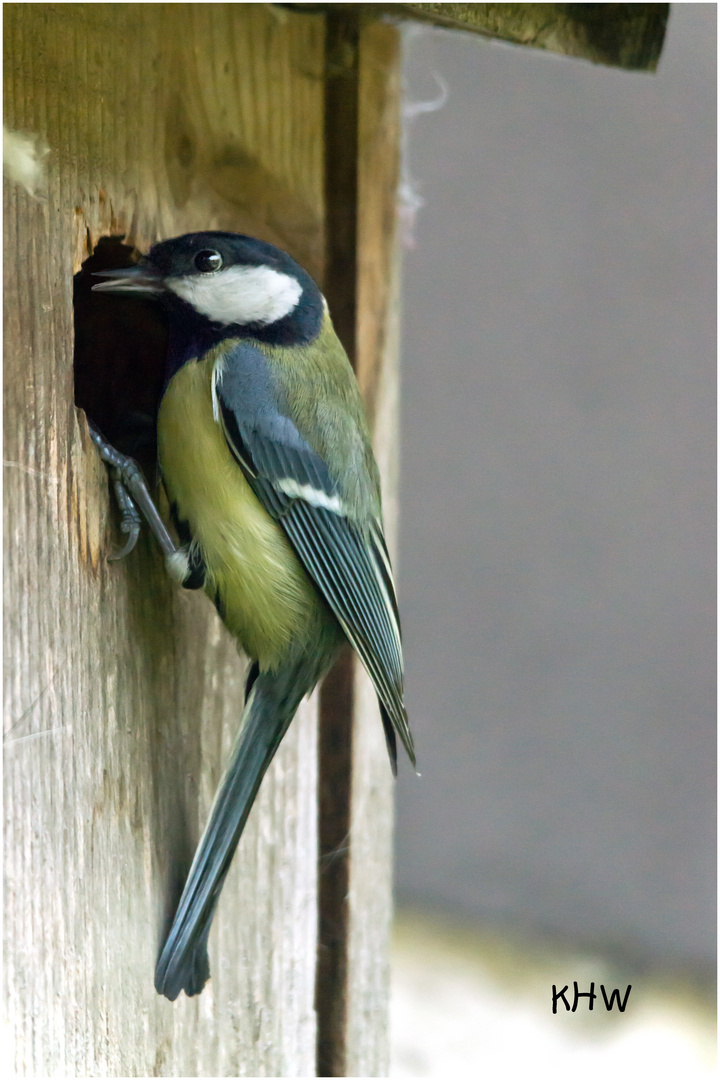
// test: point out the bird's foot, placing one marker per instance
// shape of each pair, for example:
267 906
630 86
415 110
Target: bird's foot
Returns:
133 497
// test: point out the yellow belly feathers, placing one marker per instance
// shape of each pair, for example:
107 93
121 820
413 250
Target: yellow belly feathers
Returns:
268 599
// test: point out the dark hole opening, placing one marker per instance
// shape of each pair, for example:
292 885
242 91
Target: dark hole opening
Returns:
120 348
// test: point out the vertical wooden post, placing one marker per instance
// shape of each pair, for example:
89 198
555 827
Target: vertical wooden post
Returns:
362 141
371 822
337 702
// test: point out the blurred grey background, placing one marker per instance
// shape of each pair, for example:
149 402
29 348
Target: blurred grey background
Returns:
556 562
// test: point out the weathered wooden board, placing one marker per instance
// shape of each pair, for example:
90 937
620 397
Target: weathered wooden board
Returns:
367 1050
623 35
122 692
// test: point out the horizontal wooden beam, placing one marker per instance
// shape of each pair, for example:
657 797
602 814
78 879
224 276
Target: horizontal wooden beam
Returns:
620 35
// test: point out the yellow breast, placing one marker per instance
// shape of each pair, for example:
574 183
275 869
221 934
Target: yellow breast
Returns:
267 599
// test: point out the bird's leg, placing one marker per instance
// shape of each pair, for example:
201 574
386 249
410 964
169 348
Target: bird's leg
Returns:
133 497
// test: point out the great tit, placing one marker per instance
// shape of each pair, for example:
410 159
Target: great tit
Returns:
274 492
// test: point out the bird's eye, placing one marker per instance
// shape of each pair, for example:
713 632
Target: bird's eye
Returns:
207 262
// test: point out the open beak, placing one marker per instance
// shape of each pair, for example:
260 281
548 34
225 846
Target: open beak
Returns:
129 279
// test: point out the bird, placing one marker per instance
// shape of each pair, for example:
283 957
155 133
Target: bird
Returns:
265 455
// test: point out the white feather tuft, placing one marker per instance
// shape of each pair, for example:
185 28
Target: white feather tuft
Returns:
178 565
24 160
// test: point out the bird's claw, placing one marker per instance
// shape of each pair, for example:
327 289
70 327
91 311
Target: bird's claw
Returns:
131 492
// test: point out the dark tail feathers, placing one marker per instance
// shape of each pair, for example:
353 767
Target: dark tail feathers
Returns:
272 702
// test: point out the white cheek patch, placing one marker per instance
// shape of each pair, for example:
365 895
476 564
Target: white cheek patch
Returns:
240 294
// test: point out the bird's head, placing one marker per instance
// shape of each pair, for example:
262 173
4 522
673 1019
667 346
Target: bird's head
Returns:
232 281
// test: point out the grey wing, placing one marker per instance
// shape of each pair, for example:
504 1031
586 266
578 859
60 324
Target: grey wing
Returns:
348 561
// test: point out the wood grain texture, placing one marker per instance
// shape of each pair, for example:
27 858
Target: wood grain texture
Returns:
122 692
